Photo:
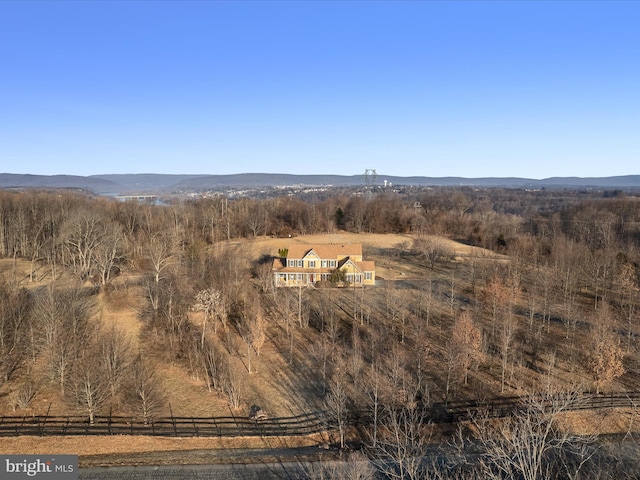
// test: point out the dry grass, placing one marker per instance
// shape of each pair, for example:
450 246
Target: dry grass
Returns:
110 450
600 422
18 273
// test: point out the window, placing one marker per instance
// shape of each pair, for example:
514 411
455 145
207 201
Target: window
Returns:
299 263
332 263
323 263
292 277
312 264
291 263
367 275
299 276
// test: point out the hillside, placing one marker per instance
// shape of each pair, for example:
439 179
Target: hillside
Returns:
114 184
281 377
187 396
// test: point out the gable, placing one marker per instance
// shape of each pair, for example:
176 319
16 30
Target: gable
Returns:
311 255
348 264
329 251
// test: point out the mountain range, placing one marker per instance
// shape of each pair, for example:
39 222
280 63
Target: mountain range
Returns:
122 184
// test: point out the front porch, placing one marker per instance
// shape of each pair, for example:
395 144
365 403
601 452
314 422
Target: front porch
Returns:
307 279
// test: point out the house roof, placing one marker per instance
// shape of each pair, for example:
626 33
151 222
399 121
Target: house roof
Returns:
326 251
279 263
367 265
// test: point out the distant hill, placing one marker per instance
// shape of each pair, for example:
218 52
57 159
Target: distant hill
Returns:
146 182
161 183
92 184
268 180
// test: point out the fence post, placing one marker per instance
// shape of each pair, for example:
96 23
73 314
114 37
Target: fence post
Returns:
45 420
173 420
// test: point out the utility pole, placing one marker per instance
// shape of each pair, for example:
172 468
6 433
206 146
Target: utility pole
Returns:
300 305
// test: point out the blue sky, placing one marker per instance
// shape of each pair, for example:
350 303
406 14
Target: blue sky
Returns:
431 88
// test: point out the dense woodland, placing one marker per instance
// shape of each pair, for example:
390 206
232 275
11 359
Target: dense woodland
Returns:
548 303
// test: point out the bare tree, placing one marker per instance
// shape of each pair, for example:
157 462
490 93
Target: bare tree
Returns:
252 328
466 341
373 386
114 350
213 361
424 302
402 446
161 256
432 249
355 214
263 271
210 303
109 253
320 352
523 445
63 316
337 402
356 467
233 385
89 385
494 296
144 392
25 392
505 345
15 321
567 257
628 293
255 218
550 359
606 362
605 355
84 233
258 326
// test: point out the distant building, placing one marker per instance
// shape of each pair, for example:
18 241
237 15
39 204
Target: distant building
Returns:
137 198
335 264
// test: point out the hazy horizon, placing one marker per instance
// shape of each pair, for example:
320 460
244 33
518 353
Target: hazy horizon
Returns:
380 176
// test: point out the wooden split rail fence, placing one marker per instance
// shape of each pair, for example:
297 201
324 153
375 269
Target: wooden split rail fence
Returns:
304 424
166 426
505 406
